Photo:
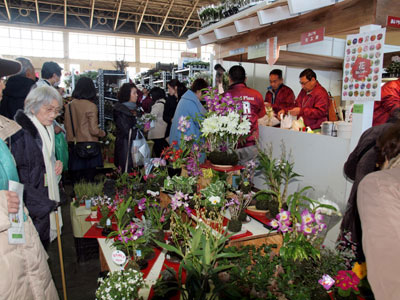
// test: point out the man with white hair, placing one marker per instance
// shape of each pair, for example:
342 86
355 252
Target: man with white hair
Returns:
17 87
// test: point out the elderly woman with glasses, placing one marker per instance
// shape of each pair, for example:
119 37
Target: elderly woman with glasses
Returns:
34 153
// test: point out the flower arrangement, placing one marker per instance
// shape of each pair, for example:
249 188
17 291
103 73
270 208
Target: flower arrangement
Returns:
154 212
86 190
129 235
173 155
236 206
122 284
224 125
146 122
191 151
346 283
300 226
214 195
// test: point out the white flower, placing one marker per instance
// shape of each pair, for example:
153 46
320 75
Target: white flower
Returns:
214 200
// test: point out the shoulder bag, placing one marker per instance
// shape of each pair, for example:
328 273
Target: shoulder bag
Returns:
83 149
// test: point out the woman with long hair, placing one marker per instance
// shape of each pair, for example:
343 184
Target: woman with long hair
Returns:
157 134
176 89
125 116
82 126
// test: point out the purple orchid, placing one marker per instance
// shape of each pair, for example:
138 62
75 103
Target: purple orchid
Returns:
142 204
307 217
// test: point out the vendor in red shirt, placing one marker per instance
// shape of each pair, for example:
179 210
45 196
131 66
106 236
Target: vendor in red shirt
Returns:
390 100
253 107
279 96
312 102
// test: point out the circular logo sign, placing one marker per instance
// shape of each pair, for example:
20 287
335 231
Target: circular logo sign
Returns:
118 257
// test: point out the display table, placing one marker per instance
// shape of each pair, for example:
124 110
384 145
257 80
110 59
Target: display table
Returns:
78 220
260 235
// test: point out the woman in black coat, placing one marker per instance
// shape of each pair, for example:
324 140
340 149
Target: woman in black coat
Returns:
175 91
125 116
42 106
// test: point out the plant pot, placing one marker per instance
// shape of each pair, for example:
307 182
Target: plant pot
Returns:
223 158
234 225
243 216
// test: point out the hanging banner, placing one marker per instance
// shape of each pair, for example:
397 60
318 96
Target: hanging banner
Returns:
272 48
313 36
393 22
363 65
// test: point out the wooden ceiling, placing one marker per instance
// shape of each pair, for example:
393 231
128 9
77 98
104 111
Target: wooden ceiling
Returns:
168 18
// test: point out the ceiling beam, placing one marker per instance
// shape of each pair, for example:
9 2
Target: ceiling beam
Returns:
141 17
188 18
91 14
65 13
8 10
117 17
37 11
166 17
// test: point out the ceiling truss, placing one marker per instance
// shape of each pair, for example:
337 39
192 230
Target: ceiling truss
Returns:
175 18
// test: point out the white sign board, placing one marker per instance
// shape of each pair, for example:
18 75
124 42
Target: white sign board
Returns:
363 65
118 257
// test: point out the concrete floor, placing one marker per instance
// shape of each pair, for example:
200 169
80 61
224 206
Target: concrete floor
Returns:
81 277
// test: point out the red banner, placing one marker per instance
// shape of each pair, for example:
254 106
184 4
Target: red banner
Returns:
393 22
313 36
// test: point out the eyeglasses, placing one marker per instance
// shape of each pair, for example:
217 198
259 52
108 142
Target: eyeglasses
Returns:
304 83
53 110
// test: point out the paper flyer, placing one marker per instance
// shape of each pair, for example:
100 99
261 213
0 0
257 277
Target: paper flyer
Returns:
16 233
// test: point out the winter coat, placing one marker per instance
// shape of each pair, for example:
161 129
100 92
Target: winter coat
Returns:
314 106
190 106
26 147
158 132
253 108
86 122
169 112
390 100
379 207
283 98
17 88
360 162
124 121
27 274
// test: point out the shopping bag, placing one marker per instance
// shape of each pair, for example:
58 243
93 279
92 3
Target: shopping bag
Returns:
286 121
140 151
61 150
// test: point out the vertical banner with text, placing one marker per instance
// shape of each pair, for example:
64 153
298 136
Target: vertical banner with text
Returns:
272 48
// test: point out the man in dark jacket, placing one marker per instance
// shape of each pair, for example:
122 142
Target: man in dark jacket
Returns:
17 87
253 108
279 96
312 103
361 162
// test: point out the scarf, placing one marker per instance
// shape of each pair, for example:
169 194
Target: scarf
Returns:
130 105
394 162
48 149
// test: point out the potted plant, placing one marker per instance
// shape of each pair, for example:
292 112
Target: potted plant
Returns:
237 205
277 174
394 68
121 284
223 126
87 191
213 199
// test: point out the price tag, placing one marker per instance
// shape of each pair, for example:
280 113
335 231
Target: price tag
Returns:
138 253
118 257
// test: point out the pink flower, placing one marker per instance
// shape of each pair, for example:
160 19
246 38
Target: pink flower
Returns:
283 216
347 280
274 224
307 230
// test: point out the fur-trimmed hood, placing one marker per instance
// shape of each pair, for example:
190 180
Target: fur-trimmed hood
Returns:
23 120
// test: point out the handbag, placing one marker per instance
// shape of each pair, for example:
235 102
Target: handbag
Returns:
83 149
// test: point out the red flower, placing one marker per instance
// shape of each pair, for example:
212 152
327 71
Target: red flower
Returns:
346 280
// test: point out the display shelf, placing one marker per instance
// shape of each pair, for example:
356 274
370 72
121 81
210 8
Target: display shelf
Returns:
107 80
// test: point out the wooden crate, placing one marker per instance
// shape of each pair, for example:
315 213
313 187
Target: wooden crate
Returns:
258 240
